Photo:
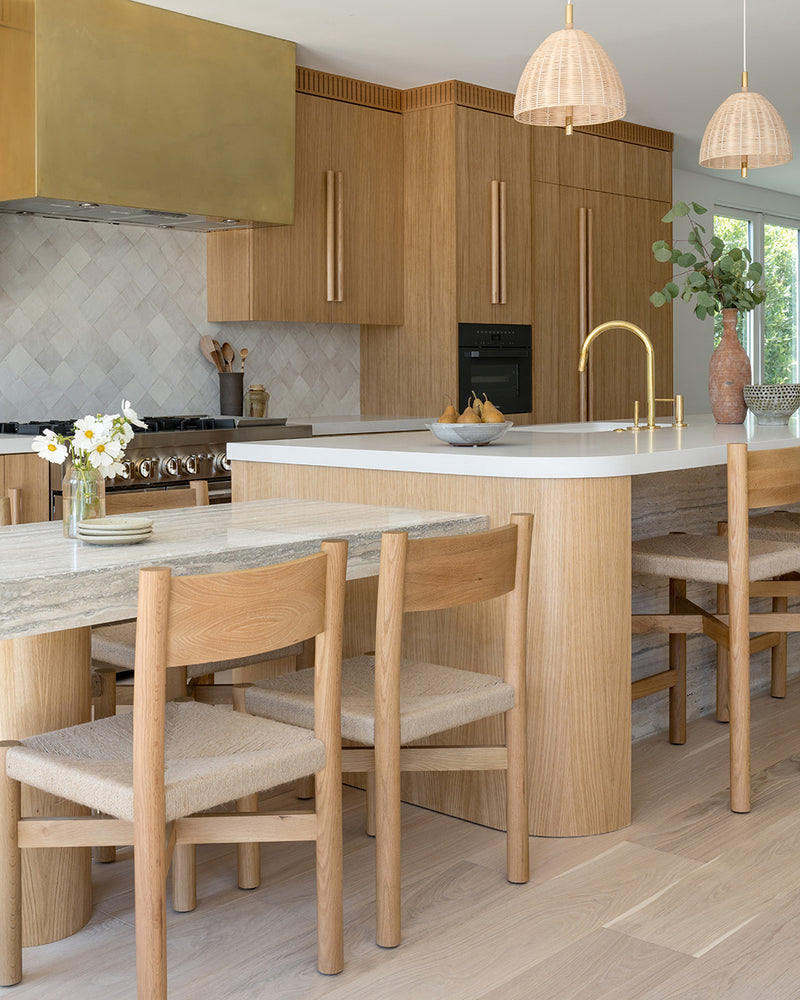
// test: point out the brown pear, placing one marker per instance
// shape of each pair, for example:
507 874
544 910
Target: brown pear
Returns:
450 416
469 416
477 405
490 414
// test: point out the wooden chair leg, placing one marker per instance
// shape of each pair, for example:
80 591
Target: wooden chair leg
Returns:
304 788
369 788
10 877
151 916
248 856
104 705
723 712
739 705
184 878
387 845
517 840
778 680
677 663
330 907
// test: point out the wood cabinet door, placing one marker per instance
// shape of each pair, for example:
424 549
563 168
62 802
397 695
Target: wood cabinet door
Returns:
289 262
623 274
367 154
30 474
493 235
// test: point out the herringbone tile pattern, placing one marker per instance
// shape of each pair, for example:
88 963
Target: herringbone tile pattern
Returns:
91 313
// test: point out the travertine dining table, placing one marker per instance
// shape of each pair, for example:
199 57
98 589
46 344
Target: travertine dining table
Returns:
52 589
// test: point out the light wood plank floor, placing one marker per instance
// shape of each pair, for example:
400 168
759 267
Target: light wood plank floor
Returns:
690 902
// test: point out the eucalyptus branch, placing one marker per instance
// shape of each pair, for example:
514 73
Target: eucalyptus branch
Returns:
719 278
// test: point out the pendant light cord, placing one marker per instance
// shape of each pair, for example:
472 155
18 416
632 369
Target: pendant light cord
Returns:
744 35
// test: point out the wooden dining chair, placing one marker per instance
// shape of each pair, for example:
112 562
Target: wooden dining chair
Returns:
388 702
747 569
155 770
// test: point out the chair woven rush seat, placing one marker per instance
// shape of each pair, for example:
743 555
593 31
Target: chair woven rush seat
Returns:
742 569
92 764
389 702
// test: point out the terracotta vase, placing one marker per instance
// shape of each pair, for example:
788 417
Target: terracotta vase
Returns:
728 372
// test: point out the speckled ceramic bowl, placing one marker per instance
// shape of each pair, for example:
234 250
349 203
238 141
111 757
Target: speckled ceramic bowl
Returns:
772 404
469 434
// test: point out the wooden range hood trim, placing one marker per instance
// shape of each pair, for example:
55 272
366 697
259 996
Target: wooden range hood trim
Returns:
468 95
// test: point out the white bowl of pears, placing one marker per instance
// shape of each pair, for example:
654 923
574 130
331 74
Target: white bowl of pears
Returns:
480 423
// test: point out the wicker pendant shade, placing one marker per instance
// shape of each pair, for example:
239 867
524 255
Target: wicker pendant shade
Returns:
745 131
569 80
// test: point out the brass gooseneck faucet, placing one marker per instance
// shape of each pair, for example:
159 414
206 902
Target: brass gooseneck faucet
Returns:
621 324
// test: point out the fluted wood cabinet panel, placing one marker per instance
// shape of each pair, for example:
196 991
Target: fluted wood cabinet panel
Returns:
28 473
592 263
354 229
489 148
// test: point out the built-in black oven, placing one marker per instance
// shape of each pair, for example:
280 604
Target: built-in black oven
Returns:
495 359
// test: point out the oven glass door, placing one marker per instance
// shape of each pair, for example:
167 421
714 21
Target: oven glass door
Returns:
503 374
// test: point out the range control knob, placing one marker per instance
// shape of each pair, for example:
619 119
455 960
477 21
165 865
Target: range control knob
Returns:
222 463
144 468
126 469
189 465
171 466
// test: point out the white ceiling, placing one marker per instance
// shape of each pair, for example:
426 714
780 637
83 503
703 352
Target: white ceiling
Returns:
678 60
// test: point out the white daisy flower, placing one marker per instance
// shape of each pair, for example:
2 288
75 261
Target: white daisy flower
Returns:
89 431
131 415
46 445
105 454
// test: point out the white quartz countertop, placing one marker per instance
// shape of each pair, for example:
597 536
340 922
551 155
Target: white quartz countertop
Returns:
49 582
15 444
539 451
359 424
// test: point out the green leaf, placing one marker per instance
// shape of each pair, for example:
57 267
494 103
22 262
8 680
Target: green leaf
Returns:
700 312
699 210
671 290
704 299
679 209
716 253
735 253
660 244
686 259
658 299
663 254
675 256
717 242
755 272
696 280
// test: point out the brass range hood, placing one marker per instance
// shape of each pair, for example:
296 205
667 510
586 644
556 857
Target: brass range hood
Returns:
114 111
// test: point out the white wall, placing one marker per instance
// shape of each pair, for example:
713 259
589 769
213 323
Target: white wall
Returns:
91 313
694 340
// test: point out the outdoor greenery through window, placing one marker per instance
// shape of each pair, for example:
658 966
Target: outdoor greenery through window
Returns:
771 332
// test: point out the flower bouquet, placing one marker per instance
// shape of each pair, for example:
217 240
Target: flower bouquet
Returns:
95 452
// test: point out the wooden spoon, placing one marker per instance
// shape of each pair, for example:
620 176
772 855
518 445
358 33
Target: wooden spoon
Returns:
207 347
228 354
244 352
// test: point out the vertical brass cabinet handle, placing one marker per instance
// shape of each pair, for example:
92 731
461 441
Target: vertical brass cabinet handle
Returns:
495 240
583 305
503 242
339 201
330 236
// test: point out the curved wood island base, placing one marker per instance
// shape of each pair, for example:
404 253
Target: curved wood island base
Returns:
44 685
579 717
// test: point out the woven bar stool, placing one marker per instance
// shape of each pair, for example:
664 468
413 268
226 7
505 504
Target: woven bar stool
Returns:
748 569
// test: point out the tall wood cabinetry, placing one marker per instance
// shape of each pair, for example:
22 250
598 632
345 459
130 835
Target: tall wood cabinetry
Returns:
597 208
27 473
467 215
341 261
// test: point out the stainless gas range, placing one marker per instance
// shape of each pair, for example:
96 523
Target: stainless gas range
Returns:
171 451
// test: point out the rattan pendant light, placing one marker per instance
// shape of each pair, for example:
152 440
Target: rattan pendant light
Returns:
745 131
569 80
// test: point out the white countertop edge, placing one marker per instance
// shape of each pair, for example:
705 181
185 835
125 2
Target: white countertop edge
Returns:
538 452
16 444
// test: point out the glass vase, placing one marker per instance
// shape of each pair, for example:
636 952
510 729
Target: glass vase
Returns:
84 497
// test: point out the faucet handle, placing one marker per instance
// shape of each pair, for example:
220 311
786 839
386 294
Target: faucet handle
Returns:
677 409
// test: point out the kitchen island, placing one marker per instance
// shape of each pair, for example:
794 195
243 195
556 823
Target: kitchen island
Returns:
578 480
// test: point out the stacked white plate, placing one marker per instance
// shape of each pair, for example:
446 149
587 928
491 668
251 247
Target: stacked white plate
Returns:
115 530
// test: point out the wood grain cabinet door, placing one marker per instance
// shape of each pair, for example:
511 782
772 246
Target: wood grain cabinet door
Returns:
341 260
30 474
493 208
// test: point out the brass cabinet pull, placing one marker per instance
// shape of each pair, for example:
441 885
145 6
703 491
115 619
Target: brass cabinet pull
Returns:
334 236
495 240
330 235
499 242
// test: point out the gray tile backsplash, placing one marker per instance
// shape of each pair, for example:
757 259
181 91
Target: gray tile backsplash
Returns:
91 313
